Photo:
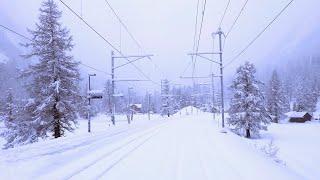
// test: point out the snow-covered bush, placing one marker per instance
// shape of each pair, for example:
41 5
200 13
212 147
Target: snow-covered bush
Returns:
271 151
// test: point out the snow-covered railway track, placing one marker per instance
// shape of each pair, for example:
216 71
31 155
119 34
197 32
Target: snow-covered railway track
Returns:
105 157
111 158
112 165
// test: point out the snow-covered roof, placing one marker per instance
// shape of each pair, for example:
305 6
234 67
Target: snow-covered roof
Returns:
137 105
294 114
96 91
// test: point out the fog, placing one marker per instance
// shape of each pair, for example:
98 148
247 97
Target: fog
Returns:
165 29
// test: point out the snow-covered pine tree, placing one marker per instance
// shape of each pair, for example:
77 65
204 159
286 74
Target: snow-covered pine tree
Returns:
275 97
247 107
107 97
165 98
54 85
10 120
17 129
306 96
145 103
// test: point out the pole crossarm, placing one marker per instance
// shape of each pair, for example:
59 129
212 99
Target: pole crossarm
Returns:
204 57
213 75
128 62
127 80
133 56
202 77
138 57
204 53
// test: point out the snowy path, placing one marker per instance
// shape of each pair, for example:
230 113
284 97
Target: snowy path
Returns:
182 148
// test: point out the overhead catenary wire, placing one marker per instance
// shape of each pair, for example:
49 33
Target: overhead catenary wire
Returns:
194 37
108 42
258 35
199 37
237 18
129 33
122 23
224 14
195 28
15 32
29 39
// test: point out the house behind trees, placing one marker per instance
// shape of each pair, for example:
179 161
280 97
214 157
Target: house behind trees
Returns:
299 117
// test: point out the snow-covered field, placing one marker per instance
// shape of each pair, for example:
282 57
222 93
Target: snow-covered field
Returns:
299 146
180 147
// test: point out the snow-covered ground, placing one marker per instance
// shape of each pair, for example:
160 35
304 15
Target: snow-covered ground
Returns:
298 146
184 146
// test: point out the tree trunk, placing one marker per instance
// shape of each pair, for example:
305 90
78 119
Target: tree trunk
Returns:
276 120
57 127
248 133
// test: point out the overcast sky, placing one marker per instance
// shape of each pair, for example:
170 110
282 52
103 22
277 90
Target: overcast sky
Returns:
165 28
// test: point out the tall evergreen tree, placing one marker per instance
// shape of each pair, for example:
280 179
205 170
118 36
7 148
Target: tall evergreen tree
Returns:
55 78
276 103
247 107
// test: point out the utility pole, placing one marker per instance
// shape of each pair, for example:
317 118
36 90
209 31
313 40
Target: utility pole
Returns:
89 102
149 99
129 105
112 90
113 80
220 63
213 94
220 33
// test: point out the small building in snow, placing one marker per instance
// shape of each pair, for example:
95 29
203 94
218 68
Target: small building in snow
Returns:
137 108
299 117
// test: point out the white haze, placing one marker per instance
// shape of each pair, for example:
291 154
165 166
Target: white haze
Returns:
165 28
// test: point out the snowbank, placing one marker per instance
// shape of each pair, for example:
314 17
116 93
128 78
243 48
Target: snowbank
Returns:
3 58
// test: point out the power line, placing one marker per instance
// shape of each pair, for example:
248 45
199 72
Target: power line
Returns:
87 24
98 70
188 65
15 32
235 21
224 13
194 36
122 23
102 37
195 28
25 37
254 39
130 34
200 32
